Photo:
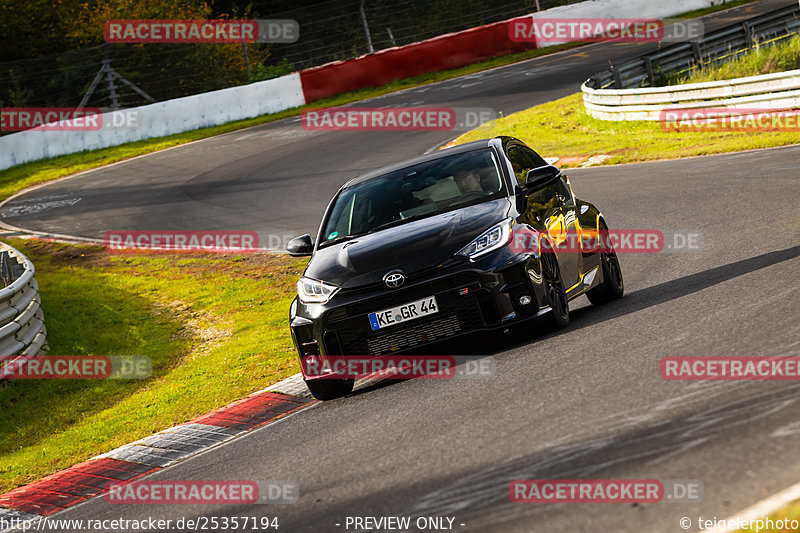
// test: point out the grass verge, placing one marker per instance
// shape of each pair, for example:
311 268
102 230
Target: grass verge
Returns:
565 130
789 512
215 327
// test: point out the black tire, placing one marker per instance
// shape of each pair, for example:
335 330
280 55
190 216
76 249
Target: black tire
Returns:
556 293
330 389
613 286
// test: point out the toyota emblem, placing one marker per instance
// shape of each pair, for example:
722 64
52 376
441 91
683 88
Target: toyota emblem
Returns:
394 279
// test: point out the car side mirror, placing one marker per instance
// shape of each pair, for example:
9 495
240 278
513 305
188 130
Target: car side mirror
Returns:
300 246
541 177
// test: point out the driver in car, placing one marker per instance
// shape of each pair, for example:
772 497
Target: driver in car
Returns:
467 181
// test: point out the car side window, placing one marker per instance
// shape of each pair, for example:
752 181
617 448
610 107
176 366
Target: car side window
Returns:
538 161
523 159
521 162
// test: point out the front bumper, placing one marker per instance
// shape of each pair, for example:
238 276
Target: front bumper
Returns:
471 296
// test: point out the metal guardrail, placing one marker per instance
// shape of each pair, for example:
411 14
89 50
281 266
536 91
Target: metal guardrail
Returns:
22 329
716 47
646 101
779 91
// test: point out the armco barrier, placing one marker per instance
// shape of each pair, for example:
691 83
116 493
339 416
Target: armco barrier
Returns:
630 99
214 108
22 329
603 9
627 9
779 91
445 52
467 47
156 120
716 47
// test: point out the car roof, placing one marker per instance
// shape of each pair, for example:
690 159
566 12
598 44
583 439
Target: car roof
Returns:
439 154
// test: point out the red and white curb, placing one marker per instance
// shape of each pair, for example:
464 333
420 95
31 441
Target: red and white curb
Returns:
86 480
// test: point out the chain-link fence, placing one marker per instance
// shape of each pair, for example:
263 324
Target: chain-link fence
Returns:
161 71
329 31
334 29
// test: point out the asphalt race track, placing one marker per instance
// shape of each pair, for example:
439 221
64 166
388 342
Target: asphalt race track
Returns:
587 401
277 179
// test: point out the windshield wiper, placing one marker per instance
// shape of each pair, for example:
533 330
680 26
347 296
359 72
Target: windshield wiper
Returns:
400 221
340 239
344 238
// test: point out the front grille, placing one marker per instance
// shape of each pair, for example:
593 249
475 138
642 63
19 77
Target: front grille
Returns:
400 296
413 335
457 314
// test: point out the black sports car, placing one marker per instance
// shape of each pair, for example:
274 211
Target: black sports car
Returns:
422 250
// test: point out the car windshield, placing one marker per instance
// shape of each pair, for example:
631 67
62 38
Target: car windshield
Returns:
414 192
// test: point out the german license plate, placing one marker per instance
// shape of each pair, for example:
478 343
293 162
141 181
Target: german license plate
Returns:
403 313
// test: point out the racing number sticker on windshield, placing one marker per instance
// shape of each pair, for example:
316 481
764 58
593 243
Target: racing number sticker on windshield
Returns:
403 313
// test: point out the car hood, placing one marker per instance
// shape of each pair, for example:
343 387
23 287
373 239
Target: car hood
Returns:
410 247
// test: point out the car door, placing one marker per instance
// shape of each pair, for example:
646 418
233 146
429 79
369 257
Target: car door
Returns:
551 209
570 247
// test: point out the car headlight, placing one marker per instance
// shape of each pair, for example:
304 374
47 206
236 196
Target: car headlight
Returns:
311 291
490 240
